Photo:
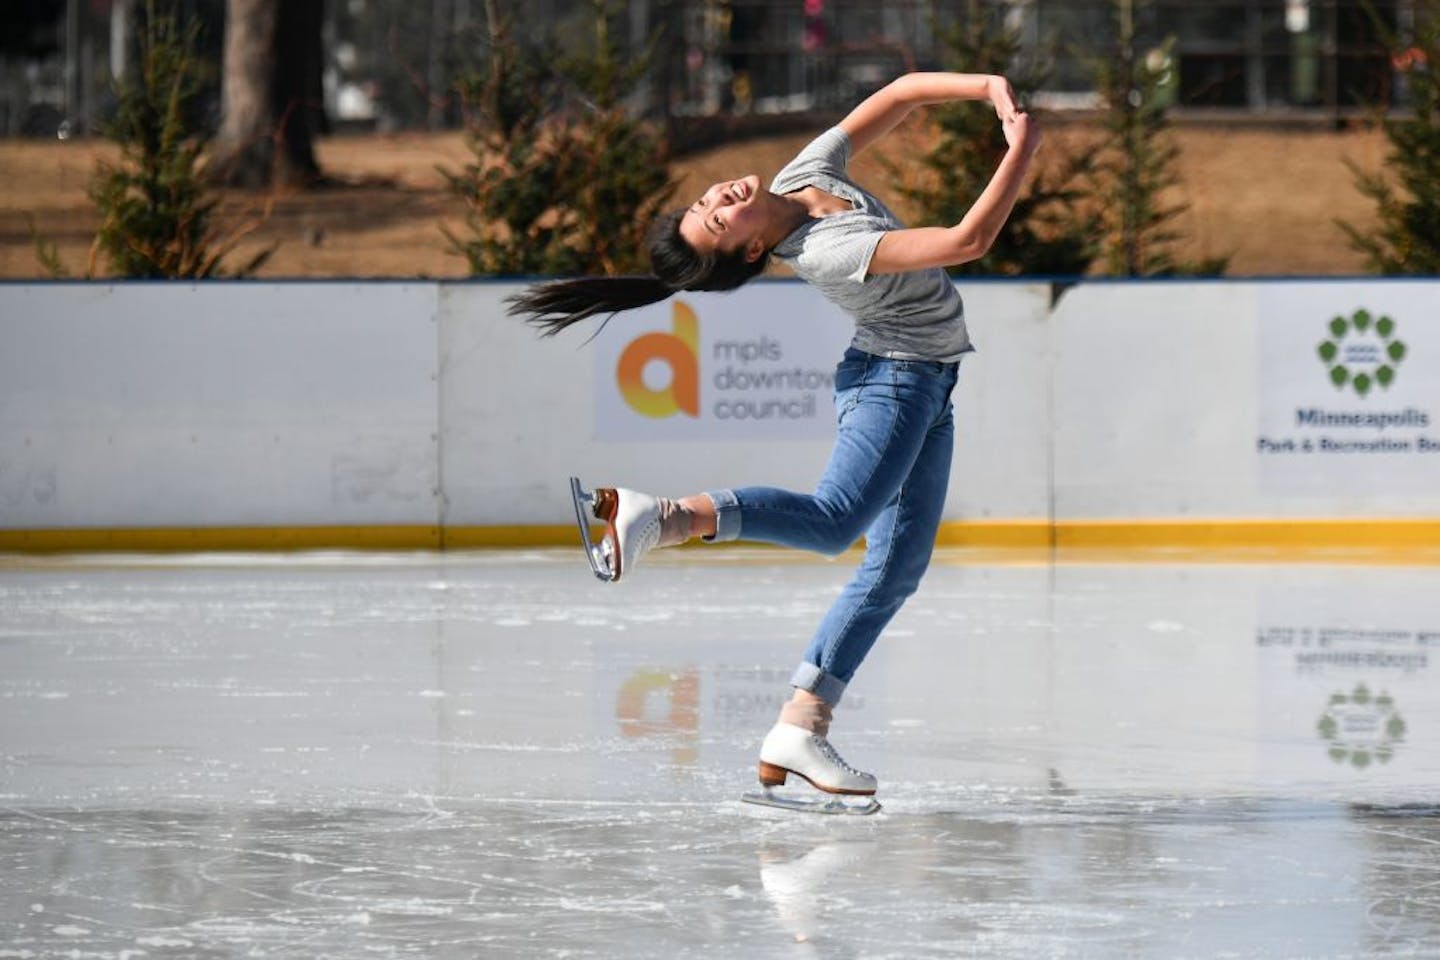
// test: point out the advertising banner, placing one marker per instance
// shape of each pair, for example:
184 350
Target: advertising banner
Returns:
1349 388
755 364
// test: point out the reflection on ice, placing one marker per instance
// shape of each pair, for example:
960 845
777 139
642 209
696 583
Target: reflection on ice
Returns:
492 755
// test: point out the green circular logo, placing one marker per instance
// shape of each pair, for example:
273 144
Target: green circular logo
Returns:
1361 353
1361 729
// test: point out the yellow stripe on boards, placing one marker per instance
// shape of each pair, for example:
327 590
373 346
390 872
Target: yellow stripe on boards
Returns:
472 538
206 539
1268 533
1002 534
1298 540
1388 540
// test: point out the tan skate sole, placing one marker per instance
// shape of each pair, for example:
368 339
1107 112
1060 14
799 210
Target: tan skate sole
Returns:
774 776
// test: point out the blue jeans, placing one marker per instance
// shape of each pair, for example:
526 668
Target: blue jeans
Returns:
886 479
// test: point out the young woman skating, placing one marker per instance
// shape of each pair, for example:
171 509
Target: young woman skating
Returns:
889 471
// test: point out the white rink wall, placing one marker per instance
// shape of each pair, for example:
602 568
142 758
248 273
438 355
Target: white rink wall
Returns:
421 404
232 404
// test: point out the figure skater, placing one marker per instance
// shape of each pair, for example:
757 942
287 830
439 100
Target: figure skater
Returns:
887 476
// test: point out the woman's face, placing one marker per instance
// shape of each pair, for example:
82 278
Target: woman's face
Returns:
727 217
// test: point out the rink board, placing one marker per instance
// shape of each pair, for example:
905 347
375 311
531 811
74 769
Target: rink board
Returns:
293 415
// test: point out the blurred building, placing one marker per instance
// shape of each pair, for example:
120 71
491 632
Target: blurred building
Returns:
59 60
392 64
1238 57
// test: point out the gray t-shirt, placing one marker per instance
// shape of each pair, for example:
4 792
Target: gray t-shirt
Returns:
907 316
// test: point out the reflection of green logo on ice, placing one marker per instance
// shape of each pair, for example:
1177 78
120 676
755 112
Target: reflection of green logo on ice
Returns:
1361 352
1360 728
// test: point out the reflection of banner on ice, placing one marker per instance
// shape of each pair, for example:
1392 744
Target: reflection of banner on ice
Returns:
1349 389
749 365
659 703
1345 659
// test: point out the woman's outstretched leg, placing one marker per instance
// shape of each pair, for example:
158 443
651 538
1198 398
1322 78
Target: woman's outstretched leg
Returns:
898 547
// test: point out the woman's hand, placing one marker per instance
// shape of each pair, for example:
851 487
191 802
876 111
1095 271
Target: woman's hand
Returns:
880 112
1022 133
1001 94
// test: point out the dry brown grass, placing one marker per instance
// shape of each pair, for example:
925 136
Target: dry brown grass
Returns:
1267 197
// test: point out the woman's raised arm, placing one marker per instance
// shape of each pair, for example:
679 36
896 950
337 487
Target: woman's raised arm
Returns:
921 248
883 110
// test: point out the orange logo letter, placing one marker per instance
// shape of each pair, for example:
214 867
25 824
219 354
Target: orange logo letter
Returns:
680 351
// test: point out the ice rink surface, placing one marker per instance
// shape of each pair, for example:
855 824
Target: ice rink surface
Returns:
494 755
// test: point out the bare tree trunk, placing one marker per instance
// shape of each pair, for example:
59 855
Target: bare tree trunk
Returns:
271 96
298 94
244 148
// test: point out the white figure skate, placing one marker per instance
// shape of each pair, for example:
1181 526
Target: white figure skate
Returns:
632 527
790 749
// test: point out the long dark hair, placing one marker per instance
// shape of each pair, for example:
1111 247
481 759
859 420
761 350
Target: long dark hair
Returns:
675 266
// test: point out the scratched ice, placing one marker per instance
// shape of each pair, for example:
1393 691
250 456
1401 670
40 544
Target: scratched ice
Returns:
495 755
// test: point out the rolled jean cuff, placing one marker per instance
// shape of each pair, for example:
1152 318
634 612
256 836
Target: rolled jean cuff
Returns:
727 515
826 686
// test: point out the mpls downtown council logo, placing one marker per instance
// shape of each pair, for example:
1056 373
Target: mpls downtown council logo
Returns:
752 374
677 351
1362 352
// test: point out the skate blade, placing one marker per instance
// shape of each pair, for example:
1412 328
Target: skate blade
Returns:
600 554
830 805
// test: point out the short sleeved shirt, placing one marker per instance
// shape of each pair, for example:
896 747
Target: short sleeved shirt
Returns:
907 316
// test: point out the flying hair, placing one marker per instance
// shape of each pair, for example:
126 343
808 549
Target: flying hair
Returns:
559 304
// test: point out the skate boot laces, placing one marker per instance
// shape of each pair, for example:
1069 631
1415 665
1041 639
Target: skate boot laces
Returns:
648 536
829 752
